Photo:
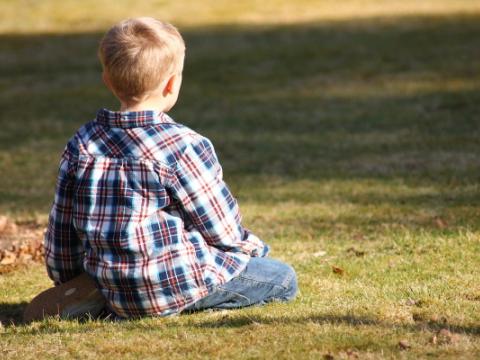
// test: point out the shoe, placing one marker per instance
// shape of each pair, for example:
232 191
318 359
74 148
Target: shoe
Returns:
76 298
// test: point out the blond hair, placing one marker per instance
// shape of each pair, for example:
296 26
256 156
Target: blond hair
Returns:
138 54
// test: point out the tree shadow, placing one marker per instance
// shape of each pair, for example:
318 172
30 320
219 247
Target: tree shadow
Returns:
374 98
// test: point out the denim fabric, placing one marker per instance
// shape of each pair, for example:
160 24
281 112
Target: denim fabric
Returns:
263 280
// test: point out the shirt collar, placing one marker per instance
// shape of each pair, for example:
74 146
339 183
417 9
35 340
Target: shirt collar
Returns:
131 119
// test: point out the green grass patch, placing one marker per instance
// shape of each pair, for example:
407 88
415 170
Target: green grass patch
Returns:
350 141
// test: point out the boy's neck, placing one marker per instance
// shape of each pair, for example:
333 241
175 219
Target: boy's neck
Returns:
162 99
150 104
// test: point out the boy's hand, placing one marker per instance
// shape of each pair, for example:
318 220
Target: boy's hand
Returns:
262 253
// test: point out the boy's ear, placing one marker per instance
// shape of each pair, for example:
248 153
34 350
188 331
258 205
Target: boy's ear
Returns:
106 80
170 85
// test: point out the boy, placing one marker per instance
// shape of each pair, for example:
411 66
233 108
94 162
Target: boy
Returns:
140 205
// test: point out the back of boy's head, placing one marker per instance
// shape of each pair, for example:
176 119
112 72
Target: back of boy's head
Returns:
138 54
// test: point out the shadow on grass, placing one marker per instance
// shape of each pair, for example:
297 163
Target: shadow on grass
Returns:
378 98
12 313
324 319
350 320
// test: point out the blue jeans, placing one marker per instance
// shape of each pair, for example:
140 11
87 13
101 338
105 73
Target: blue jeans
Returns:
263 280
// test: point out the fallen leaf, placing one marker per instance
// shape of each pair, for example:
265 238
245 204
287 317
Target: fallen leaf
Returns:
411 302
7 227
8 258
19 244
418 317
472 297
353 354
3 223
338 270
358 237
441 223
25 258
444 336
404 345
355 251
320 253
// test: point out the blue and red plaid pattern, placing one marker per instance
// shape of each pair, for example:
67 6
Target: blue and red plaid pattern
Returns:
140 205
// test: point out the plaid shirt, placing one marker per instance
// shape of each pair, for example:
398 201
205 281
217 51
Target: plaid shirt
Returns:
141 206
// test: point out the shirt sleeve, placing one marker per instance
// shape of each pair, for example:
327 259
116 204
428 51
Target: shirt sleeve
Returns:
63 249
204 196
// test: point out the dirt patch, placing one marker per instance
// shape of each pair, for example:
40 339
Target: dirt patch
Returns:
20 244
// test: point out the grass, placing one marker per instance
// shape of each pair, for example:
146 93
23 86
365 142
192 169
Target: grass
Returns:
349 135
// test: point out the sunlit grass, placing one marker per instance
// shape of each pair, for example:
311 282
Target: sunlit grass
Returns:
347 130
50 16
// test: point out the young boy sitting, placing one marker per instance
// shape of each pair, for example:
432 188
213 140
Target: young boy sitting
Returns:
140 205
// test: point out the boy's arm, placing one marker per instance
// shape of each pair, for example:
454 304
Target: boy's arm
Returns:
199 187
63 249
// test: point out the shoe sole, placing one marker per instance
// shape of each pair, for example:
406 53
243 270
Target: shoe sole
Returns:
76 298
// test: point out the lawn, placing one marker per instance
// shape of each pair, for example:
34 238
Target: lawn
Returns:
349 134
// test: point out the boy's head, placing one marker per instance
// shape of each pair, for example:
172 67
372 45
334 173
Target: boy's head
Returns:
141 56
